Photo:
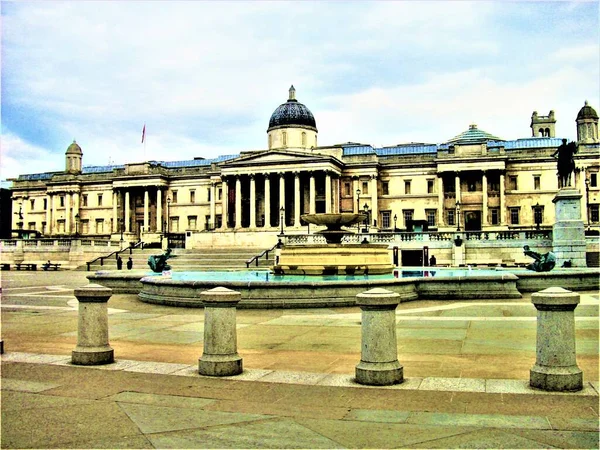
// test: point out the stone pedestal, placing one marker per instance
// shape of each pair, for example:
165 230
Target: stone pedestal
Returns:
458 251
379 364
220 357
556 368
92 329
568 233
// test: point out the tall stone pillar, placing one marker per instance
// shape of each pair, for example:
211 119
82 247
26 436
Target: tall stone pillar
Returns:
238 202
312 194
127 206
224 203
556 367
220 357
92 328
281 190
502 201
252 202
568 233
374 200
484 184
336 202
115 216
267 201
296 199
379 363
441 218
54 217
355 196
49 208
67 213
159 214
213 204
146 211
457 186
327 192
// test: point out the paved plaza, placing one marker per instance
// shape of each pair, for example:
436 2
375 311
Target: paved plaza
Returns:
466 368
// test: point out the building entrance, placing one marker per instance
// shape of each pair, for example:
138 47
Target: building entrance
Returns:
472 221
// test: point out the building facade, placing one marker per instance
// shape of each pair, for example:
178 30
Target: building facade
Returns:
473 182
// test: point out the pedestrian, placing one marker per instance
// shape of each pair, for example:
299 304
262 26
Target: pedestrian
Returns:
129 263
119 263
432 261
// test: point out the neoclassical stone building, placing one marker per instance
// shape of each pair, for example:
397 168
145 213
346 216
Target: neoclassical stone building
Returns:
474 181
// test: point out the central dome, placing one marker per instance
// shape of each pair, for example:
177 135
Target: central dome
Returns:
292 114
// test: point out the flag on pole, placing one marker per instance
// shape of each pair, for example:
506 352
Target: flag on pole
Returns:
143 133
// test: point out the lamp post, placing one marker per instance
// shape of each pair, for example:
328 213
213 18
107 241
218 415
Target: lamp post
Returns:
168 214
366 208
457 216
395 220
358 206
281 217
121 223
587 200
77 225
537 216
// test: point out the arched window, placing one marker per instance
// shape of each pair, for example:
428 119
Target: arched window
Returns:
541 132
284 138
270 143
547 132
303 139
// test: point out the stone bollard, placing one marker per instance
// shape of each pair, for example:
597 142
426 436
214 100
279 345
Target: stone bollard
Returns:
92 328
220 357
379 364
556 367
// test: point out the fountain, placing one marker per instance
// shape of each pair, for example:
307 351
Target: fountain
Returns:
334 258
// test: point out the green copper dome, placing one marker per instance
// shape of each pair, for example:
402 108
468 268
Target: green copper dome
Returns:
473 136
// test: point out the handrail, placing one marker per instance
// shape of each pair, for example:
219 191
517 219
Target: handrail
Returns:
102 258
264 253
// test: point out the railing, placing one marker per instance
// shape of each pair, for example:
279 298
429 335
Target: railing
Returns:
255 259
102 258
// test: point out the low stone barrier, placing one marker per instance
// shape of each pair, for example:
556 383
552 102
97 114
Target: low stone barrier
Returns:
92 327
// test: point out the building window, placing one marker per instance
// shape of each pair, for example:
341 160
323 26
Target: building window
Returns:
220 194
385 219
303 139
494 216
85 226
536 182
385 187
99 226
192 196
31 225
365 187
174 196
347 189
192 222
514 216
430 185
284 138
538 215
593 179
594 213
45 204
32 203
512 183
61 225
270 143
407 187
44 227
208 194
408 215
84 200
431 215
62 201
450 217
174 228
99 199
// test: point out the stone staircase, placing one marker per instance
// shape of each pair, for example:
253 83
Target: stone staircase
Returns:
200 259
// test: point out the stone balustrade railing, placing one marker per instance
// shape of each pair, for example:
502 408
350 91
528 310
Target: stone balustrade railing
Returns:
13 244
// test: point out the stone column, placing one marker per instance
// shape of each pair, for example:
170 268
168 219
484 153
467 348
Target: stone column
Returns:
457 186
159 217
127 213
312 195
67 213
354 196
267 201
281 190
485 199
252 202
374 210
213 204
220 357
502 201
555 367
379 363
115 217
146 211
441 218
92 328
297 199
224 203
327 192
238 202
55 200
49 208
336 208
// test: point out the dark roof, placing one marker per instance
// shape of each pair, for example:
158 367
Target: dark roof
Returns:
74 148
473 136
587 112
292 113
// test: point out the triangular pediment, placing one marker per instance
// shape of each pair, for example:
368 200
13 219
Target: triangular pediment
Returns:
277 157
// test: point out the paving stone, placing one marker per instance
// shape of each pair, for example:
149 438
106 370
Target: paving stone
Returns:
378 415
562 439
479 420
453 384
483 439
159 400
293 377
11 384
153 367
16 400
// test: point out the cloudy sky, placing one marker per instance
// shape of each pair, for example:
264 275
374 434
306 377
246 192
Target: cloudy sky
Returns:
205 76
